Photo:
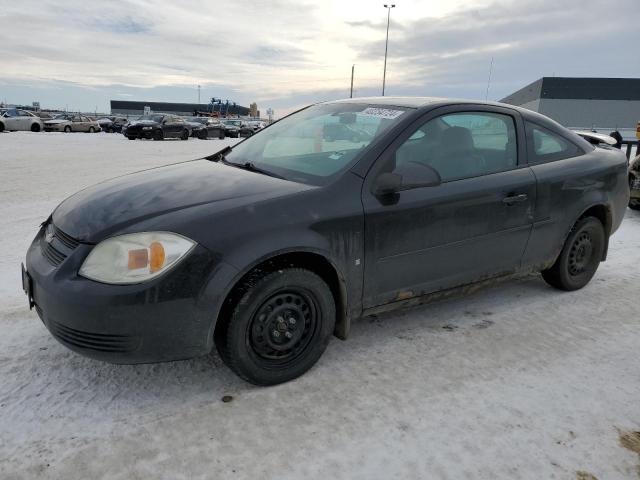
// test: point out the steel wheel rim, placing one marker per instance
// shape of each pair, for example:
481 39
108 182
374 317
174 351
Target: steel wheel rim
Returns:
282 327
581 254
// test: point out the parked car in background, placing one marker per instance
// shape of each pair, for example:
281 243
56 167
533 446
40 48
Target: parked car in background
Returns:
112 124
634 183
268 248
71 122
206 127
15 119
256 125
235 128
158 127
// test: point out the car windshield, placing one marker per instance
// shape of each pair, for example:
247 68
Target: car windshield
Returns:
316 144
63 116
237 123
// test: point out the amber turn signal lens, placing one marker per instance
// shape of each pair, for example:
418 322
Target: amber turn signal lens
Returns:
156 261
138 259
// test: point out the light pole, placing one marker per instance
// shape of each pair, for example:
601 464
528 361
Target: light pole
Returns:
352 70
386 46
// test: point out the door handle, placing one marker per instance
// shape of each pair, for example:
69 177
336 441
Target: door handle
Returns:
511 199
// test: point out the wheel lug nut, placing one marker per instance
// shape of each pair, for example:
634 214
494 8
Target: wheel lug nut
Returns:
276 333
288 334
292 321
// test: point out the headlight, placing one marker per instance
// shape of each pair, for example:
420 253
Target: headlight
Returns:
135 257
147 128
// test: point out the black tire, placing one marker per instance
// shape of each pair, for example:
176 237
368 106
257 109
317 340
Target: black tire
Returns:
634 205
131 138
262 341
185 135
580 256
158 135
67 129
221 136
204 133
92 130
35 127
1 127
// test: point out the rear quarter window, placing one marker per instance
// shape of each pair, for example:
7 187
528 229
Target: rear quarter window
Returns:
543 145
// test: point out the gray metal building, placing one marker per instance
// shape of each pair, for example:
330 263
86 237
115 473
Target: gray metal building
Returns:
583 102
126 107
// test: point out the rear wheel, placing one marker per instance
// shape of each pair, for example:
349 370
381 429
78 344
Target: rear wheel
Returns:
67 129
92 130
203 134
131 138
580 256
221 136
279 327
185 135
35 127
1 127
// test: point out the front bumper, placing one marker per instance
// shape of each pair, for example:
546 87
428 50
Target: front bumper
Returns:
169 318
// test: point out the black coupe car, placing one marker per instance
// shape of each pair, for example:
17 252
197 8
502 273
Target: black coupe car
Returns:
266 249
236 128
158 127
206 127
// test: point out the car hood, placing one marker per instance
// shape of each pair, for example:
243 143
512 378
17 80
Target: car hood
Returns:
112 206
61 120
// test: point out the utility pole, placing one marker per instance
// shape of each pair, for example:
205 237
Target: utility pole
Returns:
386 46
352 69
198 94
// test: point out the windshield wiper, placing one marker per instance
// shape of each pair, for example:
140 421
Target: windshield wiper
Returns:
252 168
218 156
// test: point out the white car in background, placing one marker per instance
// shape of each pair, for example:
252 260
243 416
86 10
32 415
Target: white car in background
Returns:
17 119
71 122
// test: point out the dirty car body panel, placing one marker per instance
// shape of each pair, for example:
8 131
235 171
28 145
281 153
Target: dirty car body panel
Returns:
385 250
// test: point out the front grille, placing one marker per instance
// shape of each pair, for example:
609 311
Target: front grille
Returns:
54 256
94 341
60 246
65 239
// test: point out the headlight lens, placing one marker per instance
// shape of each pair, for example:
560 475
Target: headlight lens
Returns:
147 128
135 257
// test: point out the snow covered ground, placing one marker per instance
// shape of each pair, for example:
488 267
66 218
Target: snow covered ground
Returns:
519 381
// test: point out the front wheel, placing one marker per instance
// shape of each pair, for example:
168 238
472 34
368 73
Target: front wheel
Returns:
203 134
279 327
580 256
92 130
158 135
35 127
185 135
67 129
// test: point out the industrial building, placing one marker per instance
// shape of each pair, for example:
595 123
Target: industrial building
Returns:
126 107
600 103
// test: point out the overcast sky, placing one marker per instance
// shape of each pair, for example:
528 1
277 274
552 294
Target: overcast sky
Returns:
288 53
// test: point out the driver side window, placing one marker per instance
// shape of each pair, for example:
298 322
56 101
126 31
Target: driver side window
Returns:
461 145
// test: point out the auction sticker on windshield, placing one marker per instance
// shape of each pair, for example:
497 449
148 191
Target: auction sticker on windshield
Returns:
381 112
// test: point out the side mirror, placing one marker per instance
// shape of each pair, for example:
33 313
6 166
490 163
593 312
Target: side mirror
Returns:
387 184
406 177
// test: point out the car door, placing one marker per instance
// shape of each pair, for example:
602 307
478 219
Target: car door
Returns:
473 225
12 120
24 120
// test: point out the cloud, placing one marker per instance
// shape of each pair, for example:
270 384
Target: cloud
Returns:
283 53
